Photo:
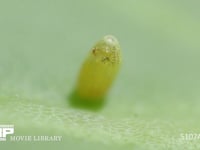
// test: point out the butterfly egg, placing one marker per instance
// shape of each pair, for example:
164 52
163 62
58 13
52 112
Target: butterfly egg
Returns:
99 69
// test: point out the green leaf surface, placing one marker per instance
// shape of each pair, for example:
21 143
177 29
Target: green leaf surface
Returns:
154 100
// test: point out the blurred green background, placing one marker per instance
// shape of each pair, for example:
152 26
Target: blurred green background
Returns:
154 99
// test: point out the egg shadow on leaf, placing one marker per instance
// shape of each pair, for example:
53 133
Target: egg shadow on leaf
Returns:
76 101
